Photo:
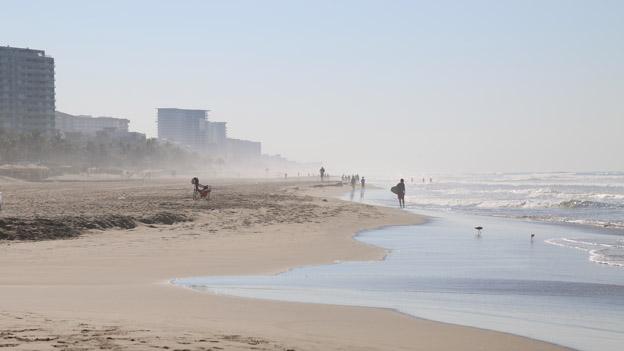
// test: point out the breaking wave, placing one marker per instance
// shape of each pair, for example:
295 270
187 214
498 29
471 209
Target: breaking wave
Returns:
588 204
605 251
580 198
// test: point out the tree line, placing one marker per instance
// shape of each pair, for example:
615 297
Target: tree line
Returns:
98 151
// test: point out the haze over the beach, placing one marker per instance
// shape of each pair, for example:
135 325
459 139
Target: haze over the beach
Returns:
402 86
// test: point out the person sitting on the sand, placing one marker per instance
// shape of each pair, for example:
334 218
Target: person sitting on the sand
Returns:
202 190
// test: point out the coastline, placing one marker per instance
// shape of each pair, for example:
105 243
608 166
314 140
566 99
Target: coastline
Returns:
110 284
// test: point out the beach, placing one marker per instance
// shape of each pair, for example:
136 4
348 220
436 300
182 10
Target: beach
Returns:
106 283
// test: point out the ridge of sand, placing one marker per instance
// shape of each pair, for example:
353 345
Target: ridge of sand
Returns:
107 289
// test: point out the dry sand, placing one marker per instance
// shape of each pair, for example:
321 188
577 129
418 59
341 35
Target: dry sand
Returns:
107 289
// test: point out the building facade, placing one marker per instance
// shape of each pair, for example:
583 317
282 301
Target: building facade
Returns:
240 150
217 136
191 129
188 128
27 97
67 123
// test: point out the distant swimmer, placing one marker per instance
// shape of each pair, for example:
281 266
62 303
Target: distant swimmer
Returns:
479 228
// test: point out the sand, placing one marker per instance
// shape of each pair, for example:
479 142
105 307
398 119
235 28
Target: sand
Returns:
108 289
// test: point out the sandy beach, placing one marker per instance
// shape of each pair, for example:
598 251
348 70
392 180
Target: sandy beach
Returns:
104 284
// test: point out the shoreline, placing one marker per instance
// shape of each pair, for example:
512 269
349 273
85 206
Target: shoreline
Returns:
388 309
109 284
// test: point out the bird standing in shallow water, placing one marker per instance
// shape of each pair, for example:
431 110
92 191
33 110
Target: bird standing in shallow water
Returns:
478 230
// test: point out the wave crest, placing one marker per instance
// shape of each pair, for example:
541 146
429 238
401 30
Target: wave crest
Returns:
587 204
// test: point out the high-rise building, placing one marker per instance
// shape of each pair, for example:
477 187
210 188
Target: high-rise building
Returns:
27 99
184 127
217 134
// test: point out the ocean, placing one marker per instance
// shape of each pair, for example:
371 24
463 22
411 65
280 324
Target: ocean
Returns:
580 198
566 285
594 199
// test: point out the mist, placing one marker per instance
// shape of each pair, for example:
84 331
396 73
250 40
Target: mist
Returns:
368 87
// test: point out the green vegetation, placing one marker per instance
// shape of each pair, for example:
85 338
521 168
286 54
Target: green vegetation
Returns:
101 151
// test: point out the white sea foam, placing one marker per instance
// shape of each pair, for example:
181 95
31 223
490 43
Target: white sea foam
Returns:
607 251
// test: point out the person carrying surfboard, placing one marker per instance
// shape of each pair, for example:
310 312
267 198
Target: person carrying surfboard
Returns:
399 189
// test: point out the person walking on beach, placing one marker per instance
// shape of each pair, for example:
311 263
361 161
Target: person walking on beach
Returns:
401 193
363 182
322 171
353 180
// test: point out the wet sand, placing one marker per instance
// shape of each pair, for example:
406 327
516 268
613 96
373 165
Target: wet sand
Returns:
107 288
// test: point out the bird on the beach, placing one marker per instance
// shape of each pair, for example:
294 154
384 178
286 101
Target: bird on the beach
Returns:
478 230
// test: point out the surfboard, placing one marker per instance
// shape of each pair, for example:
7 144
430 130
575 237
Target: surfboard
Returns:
394 189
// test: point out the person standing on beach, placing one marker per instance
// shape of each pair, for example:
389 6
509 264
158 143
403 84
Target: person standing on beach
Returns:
363 182
401 193
322 171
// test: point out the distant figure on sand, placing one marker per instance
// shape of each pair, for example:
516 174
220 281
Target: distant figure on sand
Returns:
363 182
399 189
322 171
200 191
353 181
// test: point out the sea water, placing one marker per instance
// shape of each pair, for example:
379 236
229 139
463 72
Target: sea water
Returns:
594 199
553 287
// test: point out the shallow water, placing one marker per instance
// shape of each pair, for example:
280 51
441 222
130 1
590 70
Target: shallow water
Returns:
442 271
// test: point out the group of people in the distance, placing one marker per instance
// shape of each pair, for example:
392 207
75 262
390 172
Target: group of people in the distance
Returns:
354 180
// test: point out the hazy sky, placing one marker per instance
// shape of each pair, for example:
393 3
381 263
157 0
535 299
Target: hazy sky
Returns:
399 86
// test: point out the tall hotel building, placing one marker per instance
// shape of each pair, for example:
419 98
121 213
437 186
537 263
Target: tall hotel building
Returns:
27 100
184 127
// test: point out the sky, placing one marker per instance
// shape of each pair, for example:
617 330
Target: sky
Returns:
403 87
